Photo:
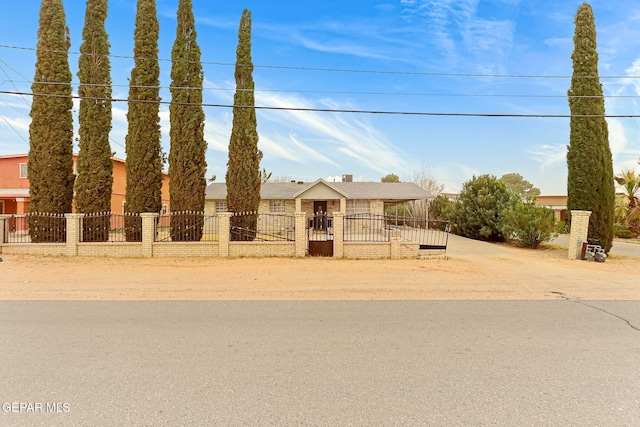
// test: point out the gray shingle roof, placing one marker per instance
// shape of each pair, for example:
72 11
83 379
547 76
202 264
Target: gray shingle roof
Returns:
389 191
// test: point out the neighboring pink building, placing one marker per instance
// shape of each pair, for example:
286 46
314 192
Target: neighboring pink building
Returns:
14 185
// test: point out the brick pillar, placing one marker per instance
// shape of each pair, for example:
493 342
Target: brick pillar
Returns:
301 234
74 227
3 228
395 248
148 233
224 227
338 235
579 231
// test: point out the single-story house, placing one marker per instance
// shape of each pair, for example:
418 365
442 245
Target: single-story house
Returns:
556 202
322 196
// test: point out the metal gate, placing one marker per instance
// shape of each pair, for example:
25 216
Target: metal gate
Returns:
320 235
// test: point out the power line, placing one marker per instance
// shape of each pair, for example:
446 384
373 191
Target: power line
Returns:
329 110
339 70
328 92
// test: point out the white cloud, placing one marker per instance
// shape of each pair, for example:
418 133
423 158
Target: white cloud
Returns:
548 154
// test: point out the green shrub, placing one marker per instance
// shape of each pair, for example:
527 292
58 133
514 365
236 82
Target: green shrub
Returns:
528 225
478 210
621 231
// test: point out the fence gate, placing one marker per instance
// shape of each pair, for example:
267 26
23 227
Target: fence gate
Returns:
320 235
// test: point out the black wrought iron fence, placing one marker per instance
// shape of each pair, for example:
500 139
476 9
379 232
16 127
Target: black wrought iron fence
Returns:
367 227
187 226
250 226
36 228
111 227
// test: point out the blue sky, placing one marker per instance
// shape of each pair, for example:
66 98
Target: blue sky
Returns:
426 56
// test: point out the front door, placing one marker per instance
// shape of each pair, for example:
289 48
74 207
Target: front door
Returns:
320 214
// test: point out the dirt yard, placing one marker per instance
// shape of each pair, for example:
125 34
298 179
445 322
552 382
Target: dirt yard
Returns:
496 272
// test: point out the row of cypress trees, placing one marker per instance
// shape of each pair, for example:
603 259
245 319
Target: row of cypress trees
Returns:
50 165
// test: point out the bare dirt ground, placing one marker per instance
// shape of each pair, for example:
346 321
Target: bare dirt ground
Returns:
476 271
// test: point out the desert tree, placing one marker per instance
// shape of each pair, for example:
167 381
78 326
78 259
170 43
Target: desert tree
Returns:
94 179
590 169
516 182
243 176
187 165
50 165
145 158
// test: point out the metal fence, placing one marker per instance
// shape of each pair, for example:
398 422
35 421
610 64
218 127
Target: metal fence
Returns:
252 226
187 226
36 228
367 227
109 227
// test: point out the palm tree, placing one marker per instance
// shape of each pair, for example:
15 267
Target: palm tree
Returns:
627 208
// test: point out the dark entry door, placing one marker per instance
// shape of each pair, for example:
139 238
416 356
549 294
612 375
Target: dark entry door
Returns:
320 214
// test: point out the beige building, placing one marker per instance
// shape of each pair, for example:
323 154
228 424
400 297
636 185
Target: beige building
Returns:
288 198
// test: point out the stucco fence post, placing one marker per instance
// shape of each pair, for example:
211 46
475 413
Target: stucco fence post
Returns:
3 228
148 233
338 235
224 228
74 227
301 234
579 232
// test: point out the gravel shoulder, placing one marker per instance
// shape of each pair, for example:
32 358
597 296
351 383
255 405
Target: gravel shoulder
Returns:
470 271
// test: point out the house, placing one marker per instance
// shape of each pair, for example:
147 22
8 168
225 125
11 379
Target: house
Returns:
14 185
321 196
556 202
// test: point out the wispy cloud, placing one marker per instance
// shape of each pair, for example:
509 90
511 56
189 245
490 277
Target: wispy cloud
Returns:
549 154
461 33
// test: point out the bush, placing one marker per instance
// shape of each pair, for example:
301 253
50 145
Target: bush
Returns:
528 225
478 210
621 231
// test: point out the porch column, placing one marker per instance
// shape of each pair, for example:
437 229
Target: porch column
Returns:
3 228
338 235
343 205
298 205
148 233
74 221
224 227
301 233
579 231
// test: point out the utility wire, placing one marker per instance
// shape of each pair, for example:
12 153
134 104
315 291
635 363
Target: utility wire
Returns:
338 70
327 92
329 110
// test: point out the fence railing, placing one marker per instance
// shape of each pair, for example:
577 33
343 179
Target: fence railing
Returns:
429 234
251 226
187 226
110 227
36 228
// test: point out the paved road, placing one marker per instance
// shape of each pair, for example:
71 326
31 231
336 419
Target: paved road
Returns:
620 247
322 363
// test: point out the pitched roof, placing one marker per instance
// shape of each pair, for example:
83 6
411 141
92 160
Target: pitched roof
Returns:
388 191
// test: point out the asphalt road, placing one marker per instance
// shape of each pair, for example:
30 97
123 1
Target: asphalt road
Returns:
620 246
310 363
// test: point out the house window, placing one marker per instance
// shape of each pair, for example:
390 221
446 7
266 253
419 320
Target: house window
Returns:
221 206
358 206
123 202
24 172
276 206
164 209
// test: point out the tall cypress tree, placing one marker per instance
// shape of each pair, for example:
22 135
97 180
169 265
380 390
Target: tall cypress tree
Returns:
95 167
187 165
144 152
243 168
50 165
590 169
